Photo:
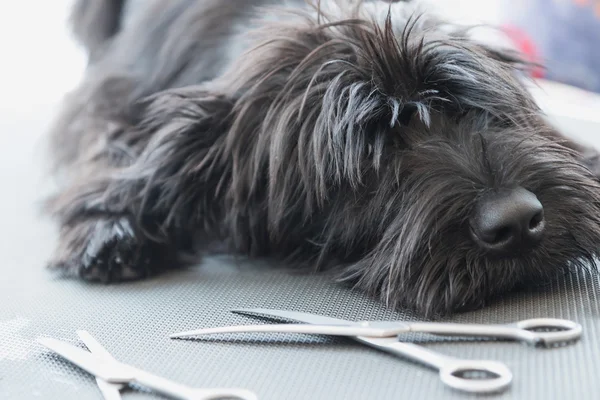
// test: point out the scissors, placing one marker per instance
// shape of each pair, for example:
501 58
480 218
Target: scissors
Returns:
562 330
112 375
493 376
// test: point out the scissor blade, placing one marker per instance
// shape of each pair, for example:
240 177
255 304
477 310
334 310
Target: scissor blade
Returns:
108 371
377 342
110 391
294 316
94 346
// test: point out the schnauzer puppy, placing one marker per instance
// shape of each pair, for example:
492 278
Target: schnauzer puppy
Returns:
365 136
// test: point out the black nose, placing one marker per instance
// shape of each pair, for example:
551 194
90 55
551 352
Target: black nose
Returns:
507 221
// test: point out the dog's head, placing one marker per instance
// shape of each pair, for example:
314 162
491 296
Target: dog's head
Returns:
395 141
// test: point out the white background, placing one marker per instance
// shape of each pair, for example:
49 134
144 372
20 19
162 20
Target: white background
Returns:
39 62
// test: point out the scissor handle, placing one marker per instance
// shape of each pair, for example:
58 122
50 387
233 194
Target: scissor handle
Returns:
495 376
520 330
220 394
179 391
566 330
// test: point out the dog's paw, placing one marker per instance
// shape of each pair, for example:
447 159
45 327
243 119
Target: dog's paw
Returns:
115 253
105 250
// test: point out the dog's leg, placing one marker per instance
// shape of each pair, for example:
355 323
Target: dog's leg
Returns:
106 248
126 223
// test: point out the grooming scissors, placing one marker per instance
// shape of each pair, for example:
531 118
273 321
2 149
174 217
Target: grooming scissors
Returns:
565 330
110 391
495 376
112 375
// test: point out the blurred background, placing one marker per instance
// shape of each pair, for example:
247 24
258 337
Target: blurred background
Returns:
562 34
40 63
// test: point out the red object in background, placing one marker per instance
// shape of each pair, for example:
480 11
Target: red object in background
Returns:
526 45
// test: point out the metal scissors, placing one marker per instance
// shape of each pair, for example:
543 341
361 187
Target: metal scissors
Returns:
493 376
110 391
562 330
112 375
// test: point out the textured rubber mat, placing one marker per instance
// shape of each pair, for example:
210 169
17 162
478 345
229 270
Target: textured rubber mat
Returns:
133 322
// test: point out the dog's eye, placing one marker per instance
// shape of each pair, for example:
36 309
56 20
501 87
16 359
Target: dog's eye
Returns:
406 114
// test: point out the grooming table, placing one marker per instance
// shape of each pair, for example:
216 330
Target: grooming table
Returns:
133 320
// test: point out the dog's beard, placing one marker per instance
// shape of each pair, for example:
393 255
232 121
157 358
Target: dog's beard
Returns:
425 257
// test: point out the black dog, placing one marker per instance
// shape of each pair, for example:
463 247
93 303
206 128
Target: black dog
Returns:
362 135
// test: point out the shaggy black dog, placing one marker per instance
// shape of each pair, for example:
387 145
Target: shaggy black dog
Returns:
365 136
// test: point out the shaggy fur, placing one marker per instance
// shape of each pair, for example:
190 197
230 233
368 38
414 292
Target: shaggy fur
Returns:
353 135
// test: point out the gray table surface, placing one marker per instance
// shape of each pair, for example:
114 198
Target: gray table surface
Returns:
133 320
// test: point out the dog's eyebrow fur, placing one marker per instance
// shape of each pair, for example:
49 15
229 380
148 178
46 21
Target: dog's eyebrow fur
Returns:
354 72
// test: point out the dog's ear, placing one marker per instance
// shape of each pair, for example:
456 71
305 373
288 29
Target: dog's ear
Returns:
427 70
184 108
183 129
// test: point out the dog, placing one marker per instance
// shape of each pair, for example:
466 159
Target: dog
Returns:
368 138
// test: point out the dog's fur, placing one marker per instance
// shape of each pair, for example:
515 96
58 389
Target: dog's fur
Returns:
350 134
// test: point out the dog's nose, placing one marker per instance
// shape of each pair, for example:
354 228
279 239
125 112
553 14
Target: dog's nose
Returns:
507 221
